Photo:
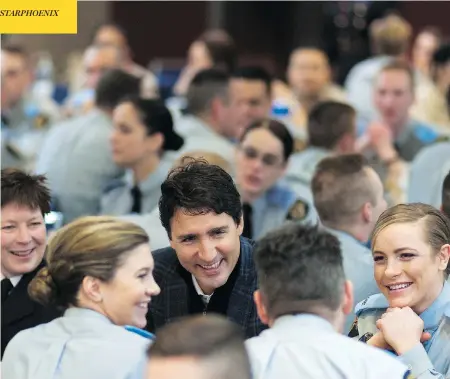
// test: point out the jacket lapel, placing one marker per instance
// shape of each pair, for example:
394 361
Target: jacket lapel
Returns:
18 304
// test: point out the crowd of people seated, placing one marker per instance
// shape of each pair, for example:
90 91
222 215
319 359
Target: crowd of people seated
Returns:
243 228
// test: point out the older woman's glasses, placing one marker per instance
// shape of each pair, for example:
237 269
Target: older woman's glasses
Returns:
268 160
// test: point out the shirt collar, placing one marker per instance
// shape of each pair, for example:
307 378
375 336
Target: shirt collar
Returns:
13 279
433 314
206 298
150 183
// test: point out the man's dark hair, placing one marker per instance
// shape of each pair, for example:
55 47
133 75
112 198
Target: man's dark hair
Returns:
221 48
17 50
446 195
299 270
114 86
328 122
210 339
25 190
278 129
204 87
442 55
254 73
340 187
198 188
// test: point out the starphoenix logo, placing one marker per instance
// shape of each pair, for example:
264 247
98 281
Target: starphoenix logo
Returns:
29 12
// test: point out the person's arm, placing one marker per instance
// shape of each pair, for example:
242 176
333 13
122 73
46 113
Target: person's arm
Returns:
420 364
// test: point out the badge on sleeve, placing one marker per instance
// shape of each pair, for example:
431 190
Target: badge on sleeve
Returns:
408 375
298 211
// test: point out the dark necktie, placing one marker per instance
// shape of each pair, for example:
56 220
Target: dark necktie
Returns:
248 225
6 288
136 195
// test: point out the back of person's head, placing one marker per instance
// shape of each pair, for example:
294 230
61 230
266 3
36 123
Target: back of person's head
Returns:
342 187
113 86
299 270
208 347
94 246
221 48
446 195
198 188
440 61
391 35
254 73
329 122
208 156
25 190
204 88
278 130
110 34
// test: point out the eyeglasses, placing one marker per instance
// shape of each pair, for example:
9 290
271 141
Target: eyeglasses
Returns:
268 160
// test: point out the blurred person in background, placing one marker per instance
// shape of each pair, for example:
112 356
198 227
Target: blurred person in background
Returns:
97 59
331 131
349 198
431 103
426 43
76 156
100 272
390 38
207 124
114 35
200 347
262 157
213 49
25 118
143 132
446 195
25 202
309 80
427 173
410 317
249 97
304 298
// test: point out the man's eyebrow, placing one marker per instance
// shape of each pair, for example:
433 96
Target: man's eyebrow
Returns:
184 236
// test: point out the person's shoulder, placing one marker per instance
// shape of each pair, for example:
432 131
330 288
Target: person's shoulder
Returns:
280 195
376 302
165 257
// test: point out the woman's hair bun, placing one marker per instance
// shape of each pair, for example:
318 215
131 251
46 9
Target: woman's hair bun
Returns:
42 288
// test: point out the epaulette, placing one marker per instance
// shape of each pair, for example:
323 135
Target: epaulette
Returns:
281 196
298 211
141 332
425 134
377 301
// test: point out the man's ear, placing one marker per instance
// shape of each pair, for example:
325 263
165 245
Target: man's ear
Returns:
260 307
347 304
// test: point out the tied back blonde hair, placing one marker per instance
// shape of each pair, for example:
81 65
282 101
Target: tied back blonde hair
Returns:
436 226
90 246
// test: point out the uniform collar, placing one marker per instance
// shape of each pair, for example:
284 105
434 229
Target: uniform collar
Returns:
13 279
304 320
433 314
78 312
344 235
152 182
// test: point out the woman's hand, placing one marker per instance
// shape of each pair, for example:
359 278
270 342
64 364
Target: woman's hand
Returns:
402 329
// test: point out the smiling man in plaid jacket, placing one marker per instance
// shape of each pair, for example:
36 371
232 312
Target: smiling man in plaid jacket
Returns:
209 267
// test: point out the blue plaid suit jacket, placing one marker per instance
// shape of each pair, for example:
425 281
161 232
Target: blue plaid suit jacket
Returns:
172 302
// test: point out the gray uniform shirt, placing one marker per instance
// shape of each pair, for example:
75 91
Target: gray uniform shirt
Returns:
306 346
81 344
117 198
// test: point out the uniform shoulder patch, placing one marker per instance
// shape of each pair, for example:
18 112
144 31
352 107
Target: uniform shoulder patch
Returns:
408 375
298 211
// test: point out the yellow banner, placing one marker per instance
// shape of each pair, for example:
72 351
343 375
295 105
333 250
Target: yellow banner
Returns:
38 16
